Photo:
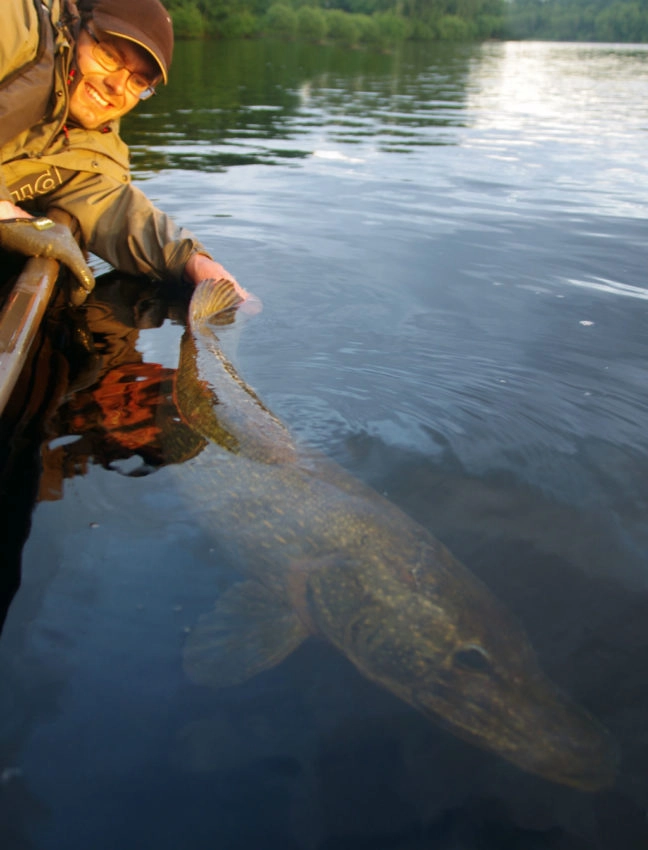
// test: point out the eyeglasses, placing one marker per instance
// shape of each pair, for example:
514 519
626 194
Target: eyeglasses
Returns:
110 60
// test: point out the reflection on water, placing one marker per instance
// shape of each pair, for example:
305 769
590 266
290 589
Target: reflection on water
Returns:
294 96
450 252
559 117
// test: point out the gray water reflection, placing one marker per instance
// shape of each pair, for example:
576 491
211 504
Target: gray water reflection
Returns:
456 315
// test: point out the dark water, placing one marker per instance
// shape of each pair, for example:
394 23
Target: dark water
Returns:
450 249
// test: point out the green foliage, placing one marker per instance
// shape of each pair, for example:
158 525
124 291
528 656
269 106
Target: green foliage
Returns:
188 21
579 20
492 26
311 23
342 27
281 20
453 28
368 30
622 22
422 31
391 27
239 24
376 23
382 23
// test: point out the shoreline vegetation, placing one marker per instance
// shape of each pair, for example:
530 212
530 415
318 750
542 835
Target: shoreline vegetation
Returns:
380 24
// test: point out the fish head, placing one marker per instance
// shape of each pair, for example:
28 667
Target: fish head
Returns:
489 690
436 637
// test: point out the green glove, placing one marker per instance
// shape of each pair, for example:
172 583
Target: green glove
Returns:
41 237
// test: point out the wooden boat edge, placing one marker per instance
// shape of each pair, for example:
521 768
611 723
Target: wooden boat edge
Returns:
20 319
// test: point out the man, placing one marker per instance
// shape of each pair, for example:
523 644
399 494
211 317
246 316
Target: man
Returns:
67 75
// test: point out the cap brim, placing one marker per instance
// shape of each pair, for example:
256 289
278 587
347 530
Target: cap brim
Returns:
136 37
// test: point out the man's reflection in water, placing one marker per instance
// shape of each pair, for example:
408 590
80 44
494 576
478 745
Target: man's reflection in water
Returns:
85 378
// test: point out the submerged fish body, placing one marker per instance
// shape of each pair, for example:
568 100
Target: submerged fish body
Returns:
323 554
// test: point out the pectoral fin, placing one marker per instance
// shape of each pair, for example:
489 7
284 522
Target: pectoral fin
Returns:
213 300
247 632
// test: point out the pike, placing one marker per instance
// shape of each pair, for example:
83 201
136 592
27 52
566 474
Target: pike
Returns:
322 554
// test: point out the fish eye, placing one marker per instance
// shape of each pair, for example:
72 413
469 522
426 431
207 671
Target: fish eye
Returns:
472 658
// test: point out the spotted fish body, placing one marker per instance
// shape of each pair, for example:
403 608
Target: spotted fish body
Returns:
323 554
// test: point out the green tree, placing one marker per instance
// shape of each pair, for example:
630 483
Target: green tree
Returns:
621 22
241 24
311 23
188 21
281 20
453 28
368 30
342 27
391 27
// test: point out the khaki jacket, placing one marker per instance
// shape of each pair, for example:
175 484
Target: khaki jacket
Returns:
84 172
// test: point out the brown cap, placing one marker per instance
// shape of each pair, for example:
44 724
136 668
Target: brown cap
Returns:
144 22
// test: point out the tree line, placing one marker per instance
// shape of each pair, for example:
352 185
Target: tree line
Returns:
580 20
381 23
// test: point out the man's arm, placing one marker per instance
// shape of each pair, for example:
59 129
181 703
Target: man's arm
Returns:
121 225
134 236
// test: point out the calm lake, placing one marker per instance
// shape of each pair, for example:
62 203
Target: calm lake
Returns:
450 247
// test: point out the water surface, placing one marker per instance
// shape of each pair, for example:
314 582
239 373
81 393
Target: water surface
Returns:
449 244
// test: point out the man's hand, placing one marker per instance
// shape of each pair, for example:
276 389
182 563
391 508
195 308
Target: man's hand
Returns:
41 237
9 210
200 267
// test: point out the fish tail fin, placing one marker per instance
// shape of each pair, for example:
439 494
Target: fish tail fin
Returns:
211 299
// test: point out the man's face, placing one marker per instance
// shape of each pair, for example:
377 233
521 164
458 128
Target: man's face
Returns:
102 95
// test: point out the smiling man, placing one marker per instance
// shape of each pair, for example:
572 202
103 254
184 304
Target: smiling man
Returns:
68 72
114 75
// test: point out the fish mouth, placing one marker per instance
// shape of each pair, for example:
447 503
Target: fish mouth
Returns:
551 737
585 758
